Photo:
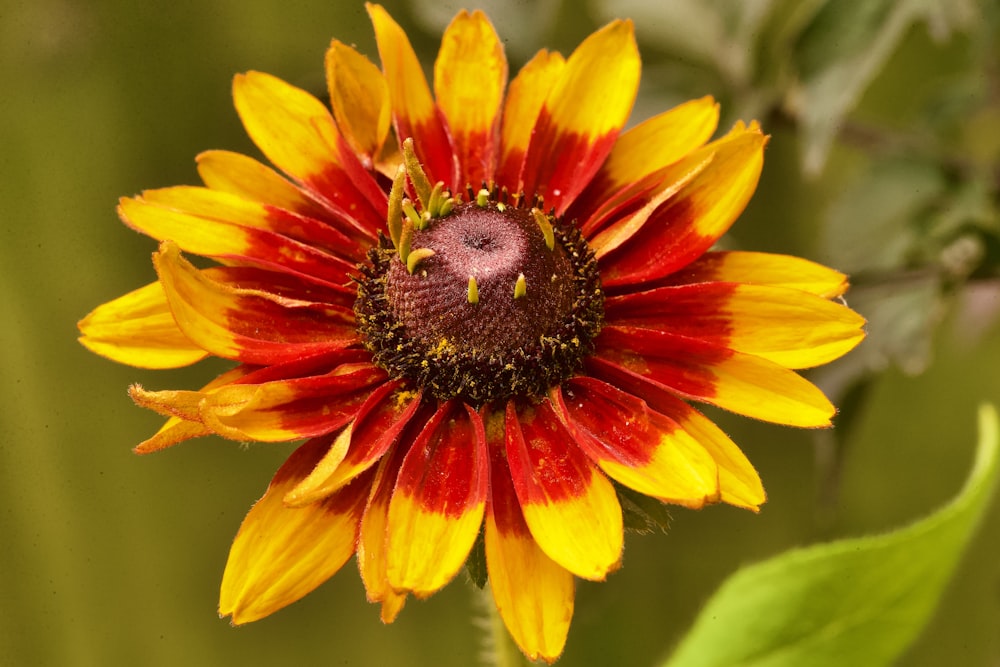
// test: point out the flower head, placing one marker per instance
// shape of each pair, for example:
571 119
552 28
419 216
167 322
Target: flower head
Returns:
484 309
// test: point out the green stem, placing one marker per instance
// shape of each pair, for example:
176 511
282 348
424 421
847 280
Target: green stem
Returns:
499 649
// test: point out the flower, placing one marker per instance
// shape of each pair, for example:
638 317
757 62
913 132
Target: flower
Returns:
484 309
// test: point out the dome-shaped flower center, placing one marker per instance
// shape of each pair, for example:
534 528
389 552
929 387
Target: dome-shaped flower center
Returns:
520 290
493 301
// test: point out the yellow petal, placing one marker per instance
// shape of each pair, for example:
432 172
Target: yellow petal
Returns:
533 593
761 268
281 554
359 96
247 178
138 329
372 556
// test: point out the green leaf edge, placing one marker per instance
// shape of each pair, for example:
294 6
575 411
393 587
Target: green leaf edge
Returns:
705 646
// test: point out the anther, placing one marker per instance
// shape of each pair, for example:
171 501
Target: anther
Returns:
482 198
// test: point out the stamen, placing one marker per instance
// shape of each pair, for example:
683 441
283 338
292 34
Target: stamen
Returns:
395 219
473 290
415 258
520 287
417 175
482 198
546 227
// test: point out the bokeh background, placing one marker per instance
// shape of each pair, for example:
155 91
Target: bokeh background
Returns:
885 124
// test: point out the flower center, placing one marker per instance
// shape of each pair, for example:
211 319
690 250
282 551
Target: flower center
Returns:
492 301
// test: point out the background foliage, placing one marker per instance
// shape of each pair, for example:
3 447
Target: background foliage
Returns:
884 161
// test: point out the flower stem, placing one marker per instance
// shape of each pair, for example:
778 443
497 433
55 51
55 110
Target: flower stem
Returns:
499 649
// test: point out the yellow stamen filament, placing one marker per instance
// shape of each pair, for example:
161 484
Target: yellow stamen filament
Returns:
421 183
412 215
394 220
546 227
405 239
520 287
473 290
415 257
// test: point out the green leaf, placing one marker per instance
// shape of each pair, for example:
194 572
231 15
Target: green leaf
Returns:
844 48
850 602
873 224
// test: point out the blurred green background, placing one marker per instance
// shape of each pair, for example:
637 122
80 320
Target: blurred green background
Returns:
113 559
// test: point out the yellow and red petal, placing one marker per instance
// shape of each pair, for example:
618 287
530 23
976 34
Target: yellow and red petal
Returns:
291 409
233 241
216 206
138 329
739 483
645 149
641 448
414 112
470 75
761 268
280 554
533 593
299 136
247 178
525 97
438 503
582 116
361 444
359 96
569 505
245 324
738 382
372 545
686 224
790 327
